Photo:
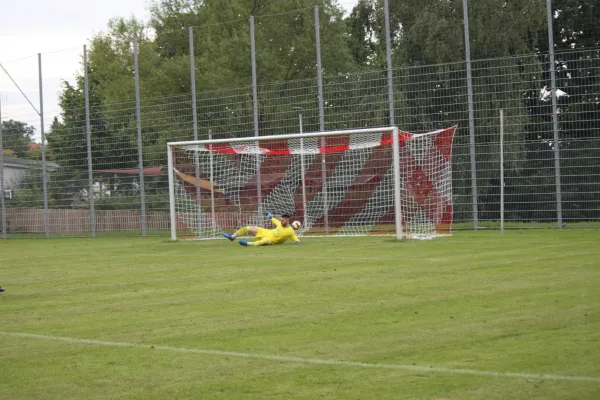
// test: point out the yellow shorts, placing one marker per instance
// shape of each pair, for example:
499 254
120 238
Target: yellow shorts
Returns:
263 233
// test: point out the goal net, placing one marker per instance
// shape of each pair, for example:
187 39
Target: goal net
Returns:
346 183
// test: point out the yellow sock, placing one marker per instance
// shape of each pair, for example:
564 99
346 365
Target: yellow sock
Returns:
242 231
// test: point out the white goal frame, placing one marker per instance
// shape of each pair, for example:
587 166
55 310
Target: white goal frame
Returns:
397 201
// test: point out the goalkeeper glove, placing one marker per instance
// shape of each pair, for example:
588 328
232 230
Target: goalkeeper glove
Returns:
269 214
296 242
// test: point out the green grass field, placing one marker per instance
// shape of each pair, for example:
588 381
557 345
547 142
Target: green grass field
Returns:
474 316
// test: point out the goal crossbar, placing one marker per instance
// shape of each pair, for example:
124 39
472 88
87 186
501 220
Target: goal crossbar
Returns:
298 136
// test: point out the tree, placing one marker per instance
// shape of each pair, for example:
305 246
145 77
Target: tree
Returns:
576 42
574 25
285 52
360 26
428 54
112 139
16 137
285 39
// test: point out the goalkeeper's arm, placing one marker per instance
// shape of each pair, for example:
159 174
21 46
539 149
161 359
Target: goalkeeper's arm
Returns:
296 240
274 220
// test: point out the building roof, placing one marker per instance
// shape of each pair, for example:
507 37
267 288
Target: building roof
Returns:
25 163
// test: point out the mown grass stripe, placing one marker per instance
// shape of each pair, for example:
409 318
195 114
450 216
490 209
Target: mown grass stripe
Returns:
414 368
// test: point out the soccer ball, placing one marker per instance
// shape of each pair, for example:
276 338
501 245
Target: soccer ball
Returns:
296 225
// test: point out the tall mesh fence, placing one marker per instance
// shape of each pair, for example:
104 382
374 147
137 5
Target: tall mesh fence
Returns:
538 171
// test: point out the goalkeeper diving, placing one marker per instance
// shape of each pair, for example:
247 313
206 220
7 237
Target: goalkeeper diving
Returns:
282 232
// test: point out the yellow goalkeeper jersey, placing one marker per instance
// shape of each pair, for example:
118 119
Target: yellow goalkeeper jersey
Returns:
278 235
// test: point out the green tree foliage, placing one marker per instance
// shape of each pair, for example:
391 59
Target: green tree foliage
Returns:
285 51
575 28
16 137
360 26
574 25
285 39
428 32
111 137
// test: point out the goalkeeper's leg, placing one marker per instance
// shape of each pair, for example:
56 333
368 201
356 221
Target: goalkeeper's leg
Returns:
252 230
241 232
261 242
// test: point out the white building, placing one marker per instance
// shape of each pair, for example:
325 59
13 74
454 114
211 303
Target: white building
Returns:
15 169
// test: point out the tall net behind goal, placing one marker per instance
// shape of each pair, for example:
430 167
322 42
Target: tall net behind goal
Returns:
335 183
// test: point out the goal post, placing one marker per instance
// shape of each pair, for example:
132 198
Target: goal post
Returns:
377 181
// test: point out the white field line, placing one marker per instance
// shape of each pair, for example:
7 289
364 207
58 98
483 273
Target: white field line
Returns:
413 368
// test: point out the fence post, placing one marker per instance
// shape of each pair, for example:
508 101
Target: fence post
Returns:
471 114
255 106
212 192
502 172
43 144
195 129
88 134
388 50
139 134
2 205
559 217
300 110
321 119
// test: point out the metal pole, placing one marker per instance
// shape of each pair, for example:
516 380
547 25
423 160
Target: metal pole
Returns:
139 134
321 120
171 193
256 133
299 110
88 132
195 128
212 192
2 205
388 47
396 139
559 217
471 115
43 144
396 169
502 172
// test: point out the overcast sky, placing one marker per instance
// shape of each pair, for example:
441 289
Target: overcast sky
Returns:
58 29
